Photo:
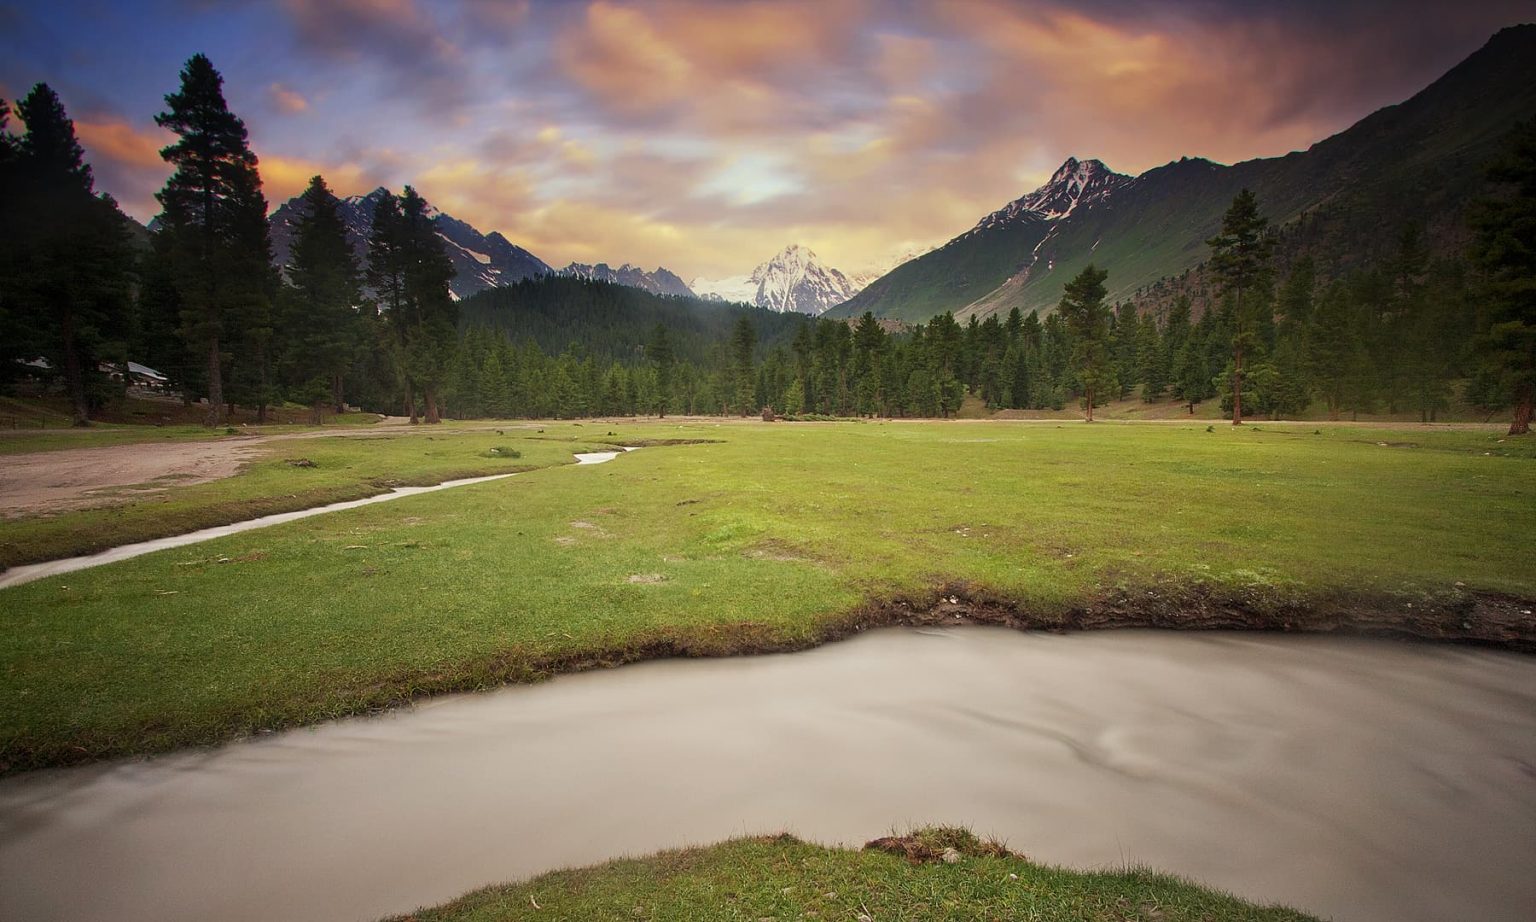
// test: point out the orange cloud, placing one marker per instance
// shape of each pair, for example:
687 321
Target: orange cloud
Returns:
124 144
1138 95
126 161
726 65
290 101
284 177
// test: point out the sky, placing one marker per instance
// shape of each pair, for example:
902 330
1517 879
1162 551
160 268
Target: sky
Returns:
705 135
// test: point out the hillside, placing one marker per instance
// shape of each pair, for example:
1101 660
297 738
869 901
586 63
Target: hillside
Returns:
1419 161
613 321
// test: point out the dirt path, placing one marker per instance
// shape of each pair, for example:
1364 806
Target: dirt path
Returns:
79 478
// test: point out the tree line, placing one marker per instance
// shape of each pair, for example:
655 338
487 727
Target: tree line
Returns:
202 302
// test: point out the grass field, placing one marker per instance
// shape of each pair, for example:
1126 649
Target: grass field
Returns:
343 469
773 537
783 878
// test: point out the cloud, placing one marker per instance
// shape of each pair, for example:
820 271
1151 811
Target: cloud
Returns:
289 101
704 135
398 42
283 178
126 161
731 68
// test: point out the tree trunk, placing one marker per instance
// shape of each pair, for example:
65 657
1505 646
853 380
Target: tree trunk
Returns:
1090 406
410 402
216 415
261 397
1237 387
429 393
338 404
1521 425
74 375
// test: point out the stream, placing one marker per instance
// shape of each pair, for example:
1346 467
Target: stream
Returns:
26 573
1366 780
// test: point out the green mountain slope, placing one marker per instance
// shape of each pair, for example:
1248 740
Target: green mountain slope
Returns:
1418 161
962 270
612 321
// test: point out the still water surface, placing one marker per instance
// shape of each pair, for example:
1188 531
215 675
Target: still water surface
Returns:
1363 780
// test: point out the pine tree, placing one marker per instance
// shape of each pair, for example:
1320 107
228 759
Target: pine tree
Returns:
431 312
659 351
1506 249
1240 260
65 281
386 276
1152 359
1335 351
320 324
1086 317
743 342
214 218
868 350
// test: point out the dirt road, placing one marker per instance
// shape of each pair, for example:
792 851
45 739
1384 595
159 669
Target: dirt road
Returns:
79 478
59 480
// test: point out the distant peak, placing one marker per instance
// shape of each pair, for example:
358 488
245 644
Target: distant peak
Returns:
1074 182
1067 168
1073 167
795 254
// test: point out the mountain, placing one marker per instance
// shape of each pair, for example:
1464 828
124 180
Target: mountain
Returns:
661 282
793 280
1000 246
1343 200
480 261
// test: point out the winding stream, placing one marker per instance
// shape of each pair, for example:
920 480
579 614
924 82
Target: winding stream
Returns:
1366 780
26 573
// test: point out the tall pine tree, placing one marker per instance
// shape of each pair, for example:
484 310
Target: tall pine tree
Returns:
1240 260
214 218
320 318
1083 310
66 280
1506 249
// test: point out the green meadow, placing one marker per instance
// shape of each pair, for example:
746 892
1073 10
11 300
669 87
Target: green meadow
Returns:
783 878
283 476
757 537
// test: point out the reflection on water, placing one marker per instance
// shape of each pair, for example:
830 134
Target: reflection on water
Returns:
1365 780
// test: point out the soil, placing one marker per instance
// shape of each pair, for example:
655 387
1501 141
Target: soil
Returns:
44 482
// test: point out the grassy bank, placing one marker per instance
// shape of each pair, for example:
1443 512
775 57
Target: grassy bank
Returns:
339 469
783 878
776 537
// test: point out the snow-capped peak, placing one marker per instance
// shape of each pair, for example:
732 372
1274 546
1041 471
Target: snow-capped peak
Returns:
795 279
1075 183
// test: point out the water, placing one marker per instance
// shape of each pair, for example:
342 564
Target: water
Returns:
15 576
1362 779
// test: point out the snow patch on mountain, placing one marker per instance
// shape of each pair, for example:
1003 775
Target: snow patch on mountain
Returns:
480 261
795 279
1075 184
